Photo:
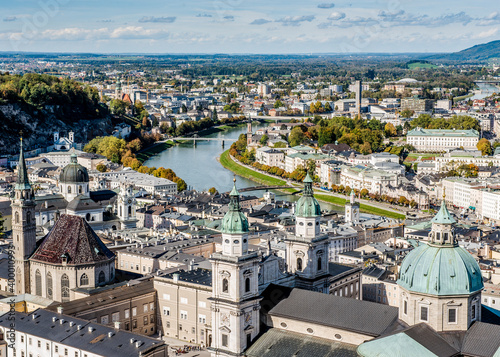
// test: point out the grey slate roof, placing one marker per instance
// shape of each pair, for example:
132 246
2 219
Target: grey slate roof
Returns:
349 314
428 338
481 340
97 341
279 343
197 276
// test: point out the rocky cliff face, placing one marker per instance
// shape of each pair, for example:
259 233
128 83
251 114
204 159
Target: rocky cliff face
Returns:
39 126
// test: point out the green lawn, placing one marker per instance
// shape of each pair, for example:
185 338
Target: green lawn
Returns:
364 208
229 164
153 150
421 65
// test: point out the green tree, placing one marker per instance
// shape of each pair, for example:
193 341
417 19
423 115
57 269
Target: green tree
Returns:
212 191
264 139
279 144
101 168
181 184
118 107
390 130
296 136
407 113
326 136
278 104
484 146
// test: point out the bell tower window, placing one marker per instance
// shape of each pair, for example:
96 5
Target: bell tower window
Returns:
225 285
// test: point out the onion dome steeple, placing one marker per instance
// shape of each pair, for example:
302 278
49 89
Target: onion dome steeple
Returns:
234 221
307 205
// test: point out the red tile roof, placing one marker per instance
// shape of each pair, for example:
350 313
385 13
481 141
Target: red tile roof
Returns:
72 235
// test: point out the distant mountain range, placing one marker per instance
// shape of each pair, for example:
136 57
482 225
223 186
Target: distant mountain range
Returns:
478 53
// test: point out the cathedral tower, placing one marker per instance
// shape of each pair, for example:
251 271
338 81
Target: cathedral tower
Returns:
352 211
126 207
235 291
307 249
23 226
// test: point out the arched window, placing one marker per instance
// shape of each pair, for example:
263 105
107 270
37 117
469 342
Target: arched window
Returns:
120 211
320 266
69 189
17 217
38 283
28 217
247 285
225 285
49 285
299 264
473 311
129 210
87 217
84 279
64 288
102 277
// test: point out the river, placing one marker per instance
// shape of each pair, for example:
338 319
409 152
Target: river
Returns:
198 165
485 90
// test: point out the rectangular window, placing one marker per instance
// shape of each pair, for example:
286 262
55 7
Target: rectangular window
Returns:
423 313
134 311
202 304
184 300
405 307
146 321
134 323
202 319
151 306
127 313
224 340
193 330
184 315
145 307
166 311
180 327
104 319
152 318
168 324
452 316
166 296
115 317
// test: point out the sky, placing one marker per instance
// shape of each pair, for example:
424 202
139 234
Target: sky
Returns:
244 26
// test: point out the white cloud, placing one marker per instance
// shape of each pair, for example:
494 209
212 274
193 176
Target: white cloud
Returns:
260 22
295 20
336 15
167 20
326 6
486 34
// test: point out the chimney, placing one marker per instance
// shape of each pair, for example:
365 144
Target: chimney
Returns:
91 329
176 277
110 334
117 325
79 327
59 309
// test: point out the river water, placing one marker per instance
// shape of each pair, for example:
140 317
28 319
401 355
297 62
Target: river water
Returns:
198 165
485 90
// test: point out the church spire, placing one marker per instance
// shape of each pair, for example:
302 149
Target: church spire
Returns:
22 173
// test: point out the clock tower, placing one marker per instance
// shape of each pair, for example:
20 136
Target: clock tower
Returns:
235 291
126 207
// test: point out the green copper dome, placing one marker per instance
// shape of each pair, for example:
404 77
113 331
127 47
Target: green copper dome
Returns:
74 172
440 270
443 216
307 205
234 221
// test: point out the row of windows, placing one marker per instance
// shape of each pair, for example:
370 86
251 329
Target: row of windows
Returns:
452 313
84 280
319 264
225 285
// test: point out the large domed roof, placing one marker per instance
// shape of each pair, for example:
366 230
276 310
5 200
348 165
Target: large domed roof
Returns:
74 172
234 221
440 270
307 205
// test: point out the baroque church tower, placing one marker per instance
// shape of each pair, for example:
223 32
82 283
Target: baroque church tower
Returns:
126 206
352 211
307 249
235 295
23 226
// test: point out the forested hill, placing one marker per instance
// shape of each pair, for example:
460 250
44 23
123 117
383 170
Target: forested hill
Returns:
41 104
480 52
